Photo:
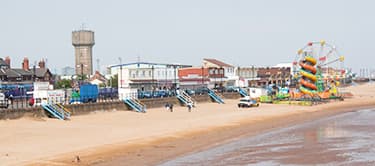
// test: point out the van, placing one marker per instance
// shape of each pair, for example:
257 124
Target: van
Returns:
4 102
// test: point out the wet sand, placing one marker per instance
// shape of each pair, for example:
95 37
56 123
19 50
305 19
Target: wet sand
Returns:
129 138
342 139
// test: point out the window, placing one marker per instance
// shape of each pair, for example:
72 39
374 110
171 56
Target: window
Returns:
143 73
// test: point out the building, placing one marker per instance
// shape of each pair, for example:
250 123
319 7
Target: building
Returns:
221 74
193 77
98 79
146 76
83 41
279 76
24 74
247 76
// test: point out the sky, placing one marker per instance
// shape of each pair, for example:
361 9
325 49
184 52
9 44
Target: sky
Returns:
238 32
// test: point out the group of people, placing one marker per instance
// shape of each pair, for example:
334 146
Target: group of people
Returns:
169 106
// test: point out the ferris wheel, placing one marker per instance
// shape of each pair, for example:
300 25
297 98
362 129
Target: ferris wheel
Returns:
329 62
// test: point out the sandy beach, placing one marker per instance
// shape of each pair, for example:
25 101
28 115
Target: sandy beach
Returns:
105 138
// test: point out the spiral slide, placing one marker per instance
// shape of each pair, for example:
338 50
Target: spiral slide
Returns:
308 78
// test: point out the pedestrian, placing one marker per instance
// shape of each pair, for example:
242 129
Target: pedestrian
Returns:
171 107
11 98
167 106
189 105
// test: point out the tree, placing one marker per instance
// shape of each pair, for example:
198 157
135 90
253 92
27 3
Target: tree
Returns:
64 83
113 81
81 77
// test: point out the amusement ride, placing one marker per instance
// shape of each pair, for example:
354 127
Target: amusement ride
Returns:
319 69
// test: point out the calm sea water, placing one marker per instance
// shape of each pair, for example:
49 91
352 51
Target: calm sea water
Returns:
345 139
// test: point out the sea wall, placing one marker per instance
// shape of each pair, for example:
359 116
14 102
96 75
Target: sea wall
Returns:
81 109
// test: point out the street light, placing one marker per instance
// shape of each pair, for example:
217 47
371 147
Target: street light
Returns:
119 58
152 75
81 66
252 76
221 71
175 79
239 75
202 76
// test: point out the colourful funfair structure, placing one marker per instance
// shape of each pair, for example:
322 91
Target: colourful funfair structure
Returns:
308 78
319 68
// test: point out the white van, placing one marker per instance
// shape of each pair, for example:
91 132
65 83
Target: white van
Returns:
4 102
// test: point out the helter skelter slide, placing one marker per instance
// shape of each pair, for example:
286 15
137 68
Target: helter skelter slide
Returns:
308 78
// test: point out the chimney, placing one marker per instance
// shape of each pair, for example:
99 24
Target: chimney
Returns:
25 64
42 64
7 61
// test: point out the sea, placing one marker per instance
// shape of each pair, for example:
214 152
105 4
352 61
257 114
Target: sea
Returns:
344 139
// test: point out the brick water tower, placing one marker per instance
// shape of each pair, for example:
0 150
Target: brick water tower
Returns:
83 41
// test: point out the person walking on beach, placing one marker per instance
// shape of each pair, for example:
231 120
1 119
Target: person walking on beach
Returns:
167 106
189 105
171 107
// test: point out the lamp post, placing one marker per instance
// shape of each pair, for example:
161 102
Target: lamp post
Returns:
81 66
202 74
221 71
152 79
81 72
252 75
175 77
239 75
119 58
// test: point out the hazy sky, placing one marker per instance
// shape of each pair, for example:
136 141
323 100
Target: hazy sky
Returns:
239 32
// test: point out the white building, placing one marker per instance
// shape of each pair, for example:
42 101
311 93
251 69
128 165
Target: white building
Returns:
230 76
144 76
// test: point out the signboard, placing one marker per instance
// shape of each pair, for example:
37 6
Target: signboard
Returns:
41 86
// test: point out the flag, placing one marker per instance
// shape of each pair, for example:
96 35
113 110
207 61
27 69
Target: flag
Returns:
323 58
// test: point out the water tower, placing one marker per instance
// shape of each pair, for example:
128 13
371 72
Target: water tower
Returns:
83 41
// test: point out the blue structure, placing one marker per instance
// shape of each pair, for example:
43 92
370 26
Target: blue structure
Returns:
87 93
135 104
215 97
185 98
243 93
17 90
56 111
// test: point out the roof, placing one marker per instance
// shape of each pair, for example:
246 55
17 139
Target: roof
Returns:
2 62
12 73
98 76
40 72
217 62
149 63
2 72
23 72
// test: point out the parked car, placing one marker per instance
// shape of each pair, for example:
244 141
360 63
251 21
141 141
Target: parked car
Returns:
4 103
248 102
202 90
145 94
160 93
232 89
190 91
